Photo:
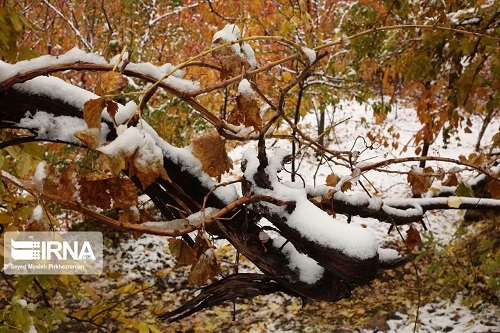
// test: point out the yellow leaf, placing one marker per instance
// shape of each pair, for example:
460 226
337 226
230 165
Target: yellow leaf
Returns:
79 314
112 81
142 327
454 202
127 288
153 329
211 151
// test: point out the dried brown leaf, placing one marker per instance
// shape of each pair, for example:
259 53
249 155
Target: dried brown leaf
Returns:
493 187
412 237
246 112
93 191
92 110
68 182
332 179
206 268
451 180
200 244
210 149
181 250
231 62
146 175
106 191
111 107
123 192
419 182
90 137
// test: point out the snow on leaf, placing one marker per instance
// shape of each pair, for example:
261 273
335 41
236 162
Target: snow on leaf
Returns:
206 268
182 252
454 202
412 237
333 179
235 57
144 158
210 149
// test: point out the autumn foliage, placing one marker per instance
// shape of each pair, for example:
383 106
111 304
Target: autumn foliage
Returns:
210 77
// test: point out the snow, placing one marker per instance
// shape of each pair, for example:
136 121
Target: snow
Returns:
309 270
158 73
58 89
37 213
311 54
244 88
76 55
195 219
316 225
388 255
231 33
72 56
137 142
62 128
39 176
310 221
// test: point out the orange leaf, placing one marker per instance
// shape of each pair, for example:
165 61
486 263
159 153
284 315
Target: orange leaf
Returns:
211 152
412 237
92 110
181 250
112 81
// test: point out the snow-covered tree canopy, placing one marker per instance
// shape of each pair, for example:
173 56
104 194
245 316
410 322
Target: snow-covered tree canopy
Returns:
289 230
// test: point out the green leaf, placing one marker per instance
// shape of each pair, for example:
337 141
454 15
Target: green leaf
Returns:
464 190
